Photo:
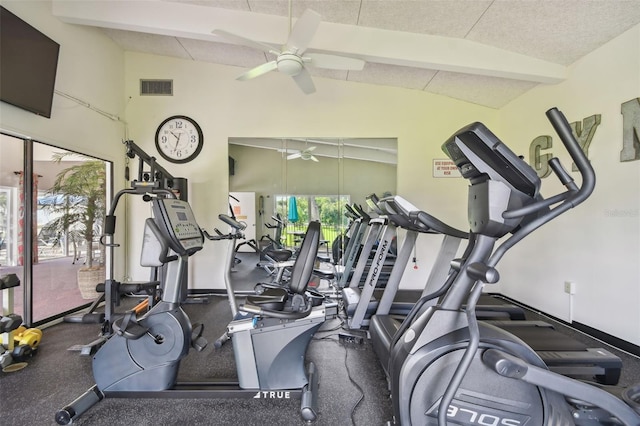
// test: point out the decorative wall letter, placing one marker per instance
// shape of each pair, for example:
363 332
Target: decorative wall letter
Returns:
584 133
630 130
540 163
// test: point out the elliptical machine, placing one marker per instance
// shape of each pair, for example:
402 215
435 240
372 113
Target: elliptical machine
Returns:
445 367
142 357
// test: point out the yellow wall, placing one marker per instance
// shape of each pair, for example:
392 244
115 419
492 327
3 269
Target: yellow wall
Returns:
597 244
272 106
91 68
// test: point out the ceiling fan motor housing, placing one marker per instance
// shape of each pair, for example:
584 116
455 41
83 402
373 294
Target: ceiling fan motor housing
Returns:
289 63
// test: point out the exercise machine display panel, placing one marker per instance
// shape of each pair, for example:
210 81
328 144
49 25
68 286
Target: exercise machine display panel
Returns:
176 218
477 152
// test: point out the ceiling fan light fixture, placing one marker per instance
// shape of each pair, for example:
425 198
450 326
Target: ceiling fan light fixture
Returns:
289 64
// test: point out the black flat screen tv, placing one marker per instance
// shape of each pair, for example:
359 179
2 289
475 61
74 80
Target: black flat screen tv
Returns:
28 65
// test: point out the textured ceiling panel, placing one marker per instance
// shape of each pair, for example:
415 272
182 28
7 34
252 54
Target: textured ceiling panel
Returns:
489 91
333 74
393 75
557 31
446 18
387 32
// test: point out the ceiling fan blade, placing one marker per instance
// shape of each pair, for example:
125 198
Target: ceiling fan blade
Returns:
294 156
258 71
303 31
334 62
314 159
311 148
245 41
288 150
304 81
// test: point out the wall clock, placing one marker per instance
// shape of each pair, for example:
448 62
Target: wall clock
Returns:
179 139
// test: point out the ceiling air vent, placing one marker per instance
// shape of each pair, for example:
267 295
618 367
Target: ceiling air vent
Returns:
156 87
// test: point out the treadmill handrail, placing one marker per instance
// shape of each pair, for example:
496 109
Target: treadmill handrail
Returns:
439 226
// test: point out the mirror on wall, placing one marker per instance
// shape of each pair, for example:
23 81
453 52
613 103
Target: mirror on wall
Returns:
317 175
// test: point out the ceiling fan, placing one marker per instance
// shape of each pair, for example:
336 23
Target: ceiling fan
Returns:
305 154
291 59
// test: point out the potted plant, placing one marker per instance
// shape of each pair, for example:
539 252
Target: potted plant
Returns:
79 209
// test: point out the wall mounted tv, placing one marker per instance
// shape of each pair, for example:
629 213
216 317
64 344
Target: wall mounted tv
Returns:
28 64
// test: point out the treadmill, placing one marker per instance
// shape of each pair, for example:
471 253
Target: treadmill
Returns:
356 234
361 304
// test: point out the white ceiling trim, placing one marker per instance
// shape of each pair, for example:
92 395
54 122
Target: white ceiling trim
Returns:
373 45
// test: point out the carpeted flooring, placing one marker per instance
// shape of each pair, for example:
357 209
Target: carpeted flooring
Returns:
55 376
353 389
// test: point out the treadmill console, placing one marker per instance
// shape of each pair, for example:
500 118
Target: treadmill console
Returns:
372 202
399 211
178 224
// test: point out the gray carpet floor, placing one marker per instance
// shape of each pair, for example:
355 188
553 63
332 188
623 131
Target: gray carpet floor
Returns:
353 389
55 376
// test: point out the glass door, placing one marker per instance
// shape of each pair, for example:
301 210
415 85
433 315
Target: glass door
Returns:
52 242
11 220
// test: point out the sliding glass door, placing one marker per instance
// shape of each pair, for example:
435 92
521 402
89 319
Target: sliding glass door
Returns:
51 214
11 220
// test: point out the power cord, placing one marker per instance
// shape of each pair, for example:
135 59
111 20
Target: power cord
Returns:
355 406
342 341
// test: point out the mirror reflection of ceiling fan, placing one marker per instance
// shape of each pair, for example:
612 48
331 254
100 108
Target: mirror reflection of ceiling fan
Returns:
305 154
291 59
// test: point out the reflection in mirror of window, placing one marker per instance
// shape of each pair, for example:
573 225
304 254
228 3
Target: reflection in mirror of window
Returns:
298 210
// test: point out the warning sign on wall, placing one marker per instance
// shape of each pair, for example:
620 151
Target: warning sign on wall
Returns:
445 168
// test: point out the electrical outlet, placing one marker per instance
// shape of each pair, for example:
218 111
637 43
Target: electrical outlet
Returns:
570 287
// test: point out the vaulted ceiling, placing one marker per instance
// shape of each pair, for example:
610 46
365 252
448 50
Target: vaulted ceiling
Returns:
487 52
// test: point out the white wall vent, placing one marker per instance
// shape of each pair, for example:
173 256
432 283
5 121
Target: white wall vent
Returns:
156 87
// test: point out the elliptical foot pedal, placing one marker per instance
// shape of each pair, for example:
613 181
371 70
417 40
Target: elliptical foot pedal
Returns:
309 403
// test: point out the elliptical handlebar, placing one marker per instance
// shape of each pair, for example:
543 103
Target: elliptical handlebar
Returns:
563 129
571 198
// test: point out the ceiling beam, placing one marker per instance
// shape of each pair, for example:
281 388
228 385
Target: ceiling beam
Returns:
371 44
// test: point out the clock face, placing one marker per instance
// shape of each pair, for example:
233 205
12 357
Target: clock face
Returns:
179 139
